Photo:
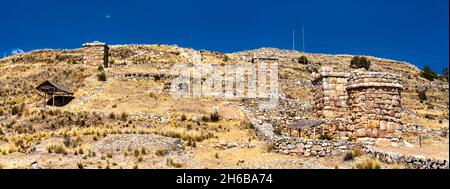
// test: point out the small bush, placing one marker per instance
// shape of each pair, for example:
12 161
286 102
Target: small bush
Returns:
100 68
57 148
270 147
109 155
369 164
422 96
124 116
325 137
112 115
170 162
101 76
183 117
205 119
360 62
136 152
226 58
303 60
80 165
143 151
429 74
348 156
429 116
214 117
15 110
161 152
357 152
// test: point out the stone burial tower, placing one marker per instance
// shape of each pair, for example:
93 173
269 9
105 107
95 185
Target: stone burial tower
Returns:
96 54
375 103
371 101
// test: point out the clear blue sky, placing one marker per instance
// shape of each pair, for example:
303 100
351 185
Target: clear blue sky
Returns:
416 31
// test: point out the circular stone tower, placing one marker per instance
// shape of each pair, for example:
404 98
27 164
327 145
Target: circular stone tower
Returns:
375 104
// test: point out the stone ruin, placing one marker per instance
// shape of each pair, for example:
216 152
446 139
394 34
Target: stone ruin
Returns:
370 101
95 54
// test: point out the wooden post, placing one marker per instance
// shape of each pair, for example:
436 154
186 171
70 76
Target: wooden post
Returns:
53 98
420 140
290 130
299 133
314 133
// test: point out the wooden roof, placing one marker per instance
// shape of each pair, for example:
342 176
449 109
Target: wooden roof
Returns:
305 124
52 87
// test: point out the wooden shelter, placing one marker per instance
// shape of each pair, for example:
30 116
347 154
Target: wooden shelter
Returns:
303 124
52 90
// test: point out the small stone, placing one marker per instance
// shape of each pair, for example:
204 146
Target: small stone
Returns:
383 142
307 153
290 146
322 153
35 165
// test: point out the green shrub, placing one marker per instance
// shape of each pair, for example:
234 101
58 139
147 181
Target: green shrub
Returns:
427 73
101 76
429 116
80 165
15 110
325 137
348 156
226 58
214 117
100 68
422 96
57 148
445 73
303 60
183 117
124 116
360 62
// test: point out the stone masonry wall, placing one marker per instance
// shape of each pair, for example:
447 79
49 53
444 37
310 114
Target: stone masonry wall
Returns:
96 54
370 101
375 104
330 100
325 148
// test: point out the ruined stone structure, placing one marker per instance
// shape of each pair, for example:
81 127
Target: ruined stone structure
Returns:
375 104
371 101
330 100
96 53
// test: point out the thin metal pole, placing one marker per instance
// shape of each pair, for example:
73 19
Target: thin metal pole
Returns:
293 40
303 38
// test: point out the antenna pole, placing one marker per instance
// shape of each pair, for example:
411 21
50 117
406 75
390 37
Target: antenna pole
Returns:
293 39
303 38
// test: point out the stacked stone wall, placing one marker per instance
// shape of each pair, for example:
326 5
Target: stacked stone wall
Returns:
370 101
96 54
375 103
330 100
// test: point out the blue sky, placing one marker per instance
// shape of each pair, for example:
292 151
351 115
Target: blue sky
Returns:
416 31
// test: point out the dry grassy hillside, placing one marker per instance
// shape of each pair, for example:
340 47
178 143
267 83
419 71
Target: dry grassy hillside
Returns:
130 121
